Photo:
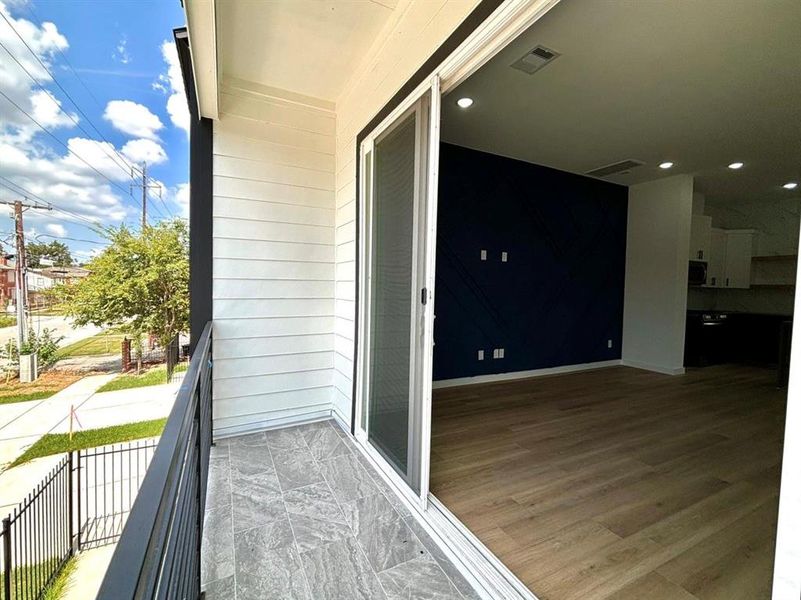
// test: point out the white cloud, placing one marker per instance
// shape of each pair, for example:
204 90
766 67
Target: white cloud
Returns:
181 198
133 118
56 229
143 150
47 111
122 54
172 83
15 83
29 159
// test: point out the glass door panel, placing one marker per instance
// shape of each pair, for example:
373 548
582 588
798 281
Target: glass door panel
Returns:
396 175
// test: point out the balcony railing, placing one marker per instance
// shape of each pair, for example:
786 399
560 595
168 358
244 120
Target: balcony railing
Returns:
158 555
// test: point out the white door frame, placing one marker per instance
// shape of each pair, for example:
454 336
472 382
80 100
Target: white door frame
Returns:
474 560
427 134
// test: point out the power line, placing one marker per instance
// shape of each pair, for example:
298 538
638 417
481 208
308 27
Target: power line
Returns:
127 165
51 134
66 60
19 190
124 167
57 237
61 87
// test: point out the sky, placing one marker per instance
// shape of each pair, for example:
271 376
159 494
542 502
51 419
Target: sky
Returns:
107 96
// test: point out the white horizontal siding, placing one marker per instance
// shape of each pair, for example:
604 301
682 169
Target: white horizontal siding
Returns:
274 261
423 26
281 345
244 413
248 328
284 231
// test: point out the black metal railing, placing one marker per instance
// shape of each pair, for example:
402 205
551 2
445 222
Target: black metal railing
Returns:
37 537
158 554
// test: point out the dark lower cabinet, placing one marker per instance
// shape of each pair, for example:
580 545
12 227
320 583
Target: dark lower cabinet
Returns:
716 338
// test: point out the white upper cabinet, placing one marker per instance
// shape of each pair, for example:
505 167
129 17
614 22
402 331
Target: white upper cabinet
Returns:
716 264
739 250
700 237
729 258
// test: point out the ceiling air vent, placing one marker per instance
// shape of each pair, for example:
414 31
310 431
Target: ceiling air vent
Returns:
535 59
615 169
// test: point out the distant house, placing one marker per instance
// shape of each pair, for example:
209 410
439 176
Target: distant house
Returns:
39 281
7 281
65 274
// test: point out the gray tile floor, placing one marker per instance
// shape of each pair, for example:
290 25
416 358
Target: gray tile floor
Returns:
298 513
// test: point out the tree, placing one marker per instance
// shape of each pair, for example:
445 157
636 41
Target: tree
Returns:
140 283
56 251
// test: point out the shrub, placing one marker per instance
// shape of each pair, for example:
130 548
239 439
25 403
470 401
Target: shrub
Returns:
45 345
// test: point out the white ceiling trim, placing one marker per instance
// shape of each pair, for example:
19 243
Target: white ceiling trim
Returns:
201 23
260 90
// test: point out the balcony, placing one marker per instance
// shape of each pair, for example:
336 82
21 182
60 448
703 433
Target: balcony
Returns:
299 513
293 513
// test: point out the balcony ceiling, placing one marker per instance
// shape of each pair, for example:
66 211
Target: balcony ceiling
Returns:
308 47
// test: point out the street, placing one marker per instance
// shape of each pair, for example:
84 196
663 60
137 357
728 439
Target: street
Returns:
57 324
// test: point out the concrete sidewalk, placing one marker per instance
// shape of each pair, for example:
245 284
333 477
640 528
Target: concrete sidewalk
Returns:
94 411
124 406
89 572
22 423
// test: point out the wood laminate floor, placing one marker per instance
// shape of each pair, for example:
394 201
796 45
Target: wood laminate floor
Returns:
619 483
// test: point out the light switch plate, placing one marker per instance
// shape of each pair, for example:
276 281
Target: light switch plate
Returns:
608 343
504 257
483 255
480 355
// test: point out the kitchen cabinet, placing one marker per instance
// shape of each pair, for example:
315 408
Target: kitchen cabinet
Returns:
729 258
700 237
716 264
739 249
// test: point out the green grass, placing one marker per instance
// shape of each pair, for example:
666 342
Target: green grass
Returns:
104 343
59 443
50 382
153 376
7 320
58 588
55 591
27 396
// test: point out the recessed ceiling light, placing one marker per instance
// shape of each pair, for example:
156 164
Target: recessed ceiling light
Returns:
665 165
791 185
736 165
465 102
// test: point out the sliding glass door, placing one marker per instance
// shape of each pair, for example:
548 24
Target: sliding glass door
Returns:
394 299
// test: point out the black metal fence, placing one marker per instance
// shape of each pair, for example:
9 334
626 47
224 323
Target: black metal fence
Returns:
83 503
109 478
158 555
37 536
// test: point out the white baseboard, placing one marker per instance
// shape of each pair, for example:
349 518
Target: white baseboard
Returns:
270 420
342 421
655 368
496 377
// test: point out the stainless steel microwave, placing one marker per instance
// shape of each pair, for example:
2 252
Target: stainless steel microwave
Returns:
697 273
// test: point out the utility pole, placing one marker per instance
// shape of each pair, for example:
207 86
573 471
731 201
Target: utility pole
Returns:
145 186
21 268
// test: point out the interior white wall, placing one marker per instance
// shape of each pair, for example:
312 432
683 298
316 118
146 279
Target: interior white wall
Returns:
412 34
657 250
273 260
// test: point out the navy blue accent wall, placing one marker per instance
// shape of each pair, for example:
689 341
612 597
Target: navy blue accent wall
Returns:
558 299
